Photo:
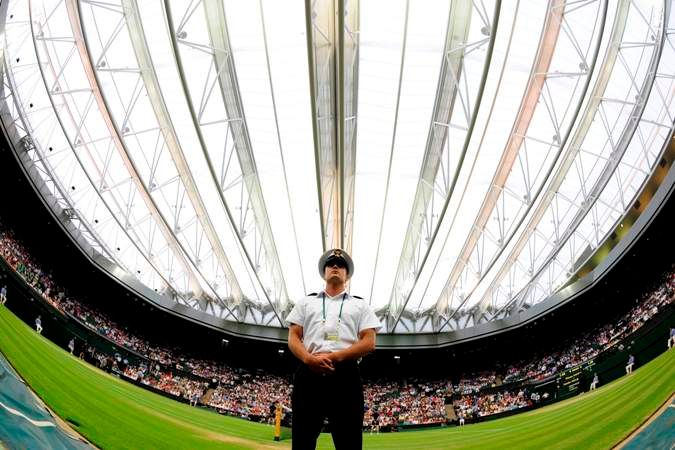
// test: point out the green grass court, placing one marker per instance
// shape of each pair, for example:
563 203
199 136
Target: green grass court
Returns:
114 414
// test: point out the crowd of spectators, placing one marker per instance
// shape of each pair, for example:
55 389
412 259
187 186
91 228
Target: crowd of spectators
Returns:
596 341
474 406
253 396
388 403
476 382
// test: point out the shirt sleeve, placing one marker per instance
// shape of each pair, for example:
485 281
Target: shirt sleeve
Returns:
369 319
297 314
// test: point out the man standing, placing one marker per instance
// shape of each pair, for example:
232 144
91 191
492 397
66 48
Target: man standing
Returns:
38 325
195 398
629 365
594 383
671 338
3 295
71 345
329 332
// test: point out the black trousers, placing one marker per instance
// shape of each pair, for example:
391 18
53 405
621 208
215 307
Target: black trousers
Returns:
337 396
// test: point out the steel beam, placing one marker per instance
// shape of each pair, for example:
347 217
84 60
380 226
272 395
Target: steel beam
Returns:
321 52
611 164
415 251
231 98
149 78
514 145
572 146
348 71
78 44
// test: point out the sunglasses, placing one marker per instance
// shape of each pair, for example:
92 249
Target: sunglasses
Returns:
339 262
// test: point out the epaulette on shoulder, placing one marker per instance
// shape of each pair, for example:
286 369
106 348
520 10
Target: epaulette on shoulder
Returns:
356 296
313 294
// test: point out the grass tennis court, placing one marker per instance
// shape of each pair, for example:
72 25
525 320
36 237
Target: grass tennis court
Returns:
114 414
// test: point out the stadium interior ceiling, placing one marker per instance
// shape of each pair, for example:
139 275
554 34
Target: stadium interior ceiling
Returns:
648 259
485 163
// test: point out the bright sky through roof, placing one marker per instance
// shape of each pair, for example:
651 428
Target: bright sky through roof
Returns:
497 144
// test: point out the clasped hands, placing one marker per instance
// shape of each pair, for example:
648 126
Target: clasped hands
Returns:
322 362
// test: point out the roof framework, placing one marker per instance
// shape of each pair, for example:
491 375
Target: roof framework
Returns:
471 155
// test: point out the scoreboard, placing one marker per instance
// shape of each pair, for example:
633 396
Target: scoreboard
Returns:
569 380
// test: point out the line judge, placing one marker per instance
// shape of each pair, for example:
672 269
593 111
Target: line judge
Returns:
329 332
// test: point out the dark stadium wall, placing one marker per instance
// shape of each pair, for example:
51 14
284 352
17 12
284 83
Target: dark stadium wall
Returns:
22 211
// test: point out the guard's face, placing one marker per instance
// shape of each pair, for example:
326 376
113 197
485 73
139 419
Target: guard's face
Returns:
335 271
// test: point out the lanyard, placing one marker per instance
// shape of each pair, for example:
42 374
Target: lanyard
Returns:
323 294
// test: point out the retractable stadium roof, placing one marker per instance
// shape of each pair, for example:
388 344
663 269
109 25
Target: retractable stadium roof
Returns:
473 157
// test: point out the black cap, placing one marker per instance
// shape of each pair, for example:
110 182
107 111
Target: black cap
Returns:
332 255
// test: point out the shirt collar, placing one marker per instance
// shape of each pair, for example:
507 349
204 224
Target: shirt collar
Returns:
340 294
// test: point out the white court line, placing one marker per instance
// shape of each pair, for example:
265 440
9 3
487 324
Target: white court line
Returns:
37 423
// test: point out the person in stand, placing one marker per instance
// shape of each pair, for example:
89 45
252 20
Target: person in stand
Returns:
629 365
329 332
195 398
375 422
38 325
594 383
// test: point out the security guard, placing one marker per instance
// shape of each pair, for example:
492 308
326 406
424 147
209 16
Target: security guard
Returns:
329 332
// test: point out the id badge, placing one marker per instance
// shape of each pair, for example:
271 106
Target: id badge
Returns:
331 334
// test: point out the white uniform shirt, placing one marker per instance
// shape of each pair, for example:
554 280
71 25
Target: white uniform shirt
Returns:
356 317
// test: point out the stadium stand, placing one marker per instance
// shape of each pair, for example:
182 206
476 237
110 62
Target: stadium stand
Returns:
390 404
